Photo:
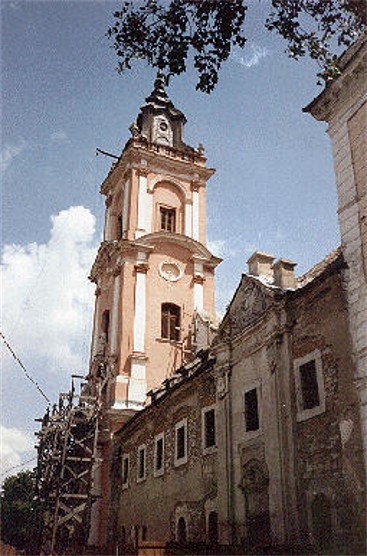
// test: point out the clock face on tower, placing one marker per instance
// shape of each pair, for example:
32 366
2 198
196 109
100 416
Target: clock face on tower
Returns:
162 131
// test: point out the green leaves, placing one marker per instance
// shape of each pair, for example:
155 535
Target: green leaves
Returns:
166 32
317 28
163 33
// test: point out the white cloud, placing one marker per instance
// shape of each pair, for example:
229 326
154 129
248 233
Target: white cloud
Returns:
220 248
59 137
251 55
10 152
47 298
14 444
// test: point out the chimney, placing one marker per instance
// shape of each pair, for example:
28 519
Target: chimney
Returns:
284 273
260 264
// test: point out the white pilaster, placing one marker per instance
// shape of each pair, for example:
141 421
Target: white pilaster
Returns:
195 214
139 317
96 324
149 211
137 382
115 313
125 208
188 219
142 208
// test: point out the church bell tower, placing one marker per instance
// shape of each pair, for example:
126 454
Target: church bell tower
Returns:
153 271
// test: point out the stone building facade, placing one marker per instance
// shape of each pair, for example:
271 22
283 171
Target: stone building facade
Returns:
165 466
286 394
154 275
286 465
261 439
343 104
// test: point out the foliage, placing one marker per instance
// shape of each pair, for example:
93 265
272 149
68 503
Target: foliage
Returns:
165 33
20 521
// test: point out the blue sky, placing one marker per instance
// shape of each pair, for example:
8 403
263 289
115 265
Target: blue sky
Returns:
274 188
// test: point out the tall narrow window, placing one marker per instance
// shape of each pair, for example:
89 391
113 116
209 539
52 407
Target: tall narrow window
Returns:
168 219
213 528
141 463
170 321
310 389
125 470
309 386
181 531
209 440
252 421
181 442
106 324
119 226
159 455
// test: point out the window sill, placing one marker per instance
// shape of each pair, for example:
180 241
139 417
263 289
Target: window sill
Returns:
125 486
305 414
181 461
209 450
252 434
140 479
168 341
158 473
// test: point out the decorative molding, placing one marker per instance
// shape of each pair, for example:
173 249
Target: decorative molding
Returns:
141 267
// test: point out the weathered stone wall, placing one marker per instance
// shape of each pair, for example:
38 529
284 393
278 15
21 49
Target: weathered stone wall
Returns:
328 446
156 503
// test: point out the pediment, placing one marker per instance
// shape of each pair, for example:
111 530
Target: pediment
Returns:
249 304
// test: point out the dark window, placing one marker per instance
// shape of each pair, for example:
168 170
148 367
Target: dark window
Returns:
144 533
170 321
125 471
213 527
136 543
141 463
209 431
106 324
180 442
119 226
168 219
309 386
181 531
159 454
251 410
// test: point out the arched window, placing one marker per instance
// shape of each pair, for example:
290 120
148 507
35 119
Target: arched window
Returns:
213 528
171 317
181 531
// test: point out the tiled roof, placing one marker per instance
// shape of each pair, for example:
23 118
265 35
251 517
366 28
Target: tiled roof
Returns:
319 268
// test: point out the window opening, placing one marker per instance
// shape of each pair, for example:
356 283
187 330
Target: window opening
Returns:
170 321
251 410
141 463
168 219
309 385
119 227
106 324
209 428
125 470
213 527
180 442
181 531
159 454
144 533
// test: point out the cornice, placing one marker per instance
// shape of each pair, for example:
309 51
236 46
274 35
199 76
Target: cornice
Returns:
353 64
159 159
